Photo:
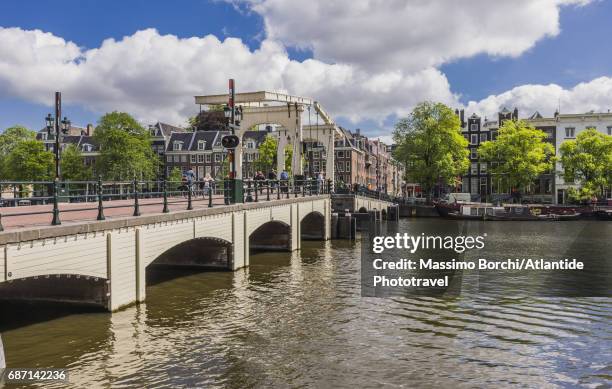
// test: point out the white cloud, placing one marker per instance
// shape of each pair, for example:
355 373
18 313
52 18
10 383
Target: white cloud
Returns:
409 35
593 95
156 76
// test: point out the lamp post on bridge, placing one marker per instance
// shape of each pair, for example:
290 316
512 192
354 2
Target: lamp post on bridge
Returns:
231 143
57 127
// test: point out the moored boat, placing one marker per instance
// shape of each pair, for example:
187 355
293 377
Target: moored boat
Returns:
475 211
605 214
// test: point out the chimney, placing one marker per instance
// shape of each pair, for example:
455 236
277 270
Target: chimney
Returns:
358 131
461 116
90 129
515 114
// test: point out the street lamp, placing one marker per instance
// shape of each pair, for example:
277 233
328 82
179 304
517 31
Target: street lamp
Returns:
56 128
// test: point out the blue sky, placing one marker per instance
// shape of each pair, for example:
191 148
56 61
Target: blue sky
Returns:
579 53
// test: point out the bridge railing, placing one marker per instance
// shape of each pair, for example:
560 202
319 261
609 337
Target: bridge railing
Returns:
341 188
32 199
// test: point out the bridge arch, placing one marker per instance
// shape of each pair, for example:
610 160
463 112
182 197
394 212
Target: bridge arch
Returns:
312 226
58 288
273 235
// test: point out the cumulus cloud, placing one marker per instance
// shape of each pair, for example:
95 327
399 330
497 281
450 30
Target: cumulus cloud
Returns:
594 95
156 76
409 35
372 60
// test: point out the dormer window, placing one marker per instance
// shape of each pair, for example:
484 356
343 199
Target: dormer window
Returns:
153 131
201 145
177 146
250 144
87 148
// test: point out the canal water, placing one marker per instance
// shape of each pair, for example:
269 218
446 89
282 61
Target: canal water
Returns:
298 320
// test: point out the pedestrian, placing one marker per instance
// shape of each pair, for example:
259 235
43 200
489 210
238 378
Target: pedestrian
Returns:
272 179
320 181
284 178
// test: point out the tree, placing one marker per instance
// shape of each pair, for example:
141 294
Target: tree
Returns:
10 138
72 166
174 179
288 157
430 144
520 154
587 160
29 161
267 154
125 148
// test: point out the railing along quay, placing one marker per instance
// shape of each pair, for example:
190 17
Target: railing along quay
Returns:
104 193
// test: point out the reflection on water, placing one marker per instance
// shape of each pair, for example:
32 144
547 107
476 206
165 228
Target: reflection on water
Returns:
299 320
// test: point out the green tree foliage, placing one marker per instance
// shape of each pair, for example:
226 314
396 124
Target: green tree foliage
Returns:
29 161
125 148
174 179
520 153
588 161
72 167
10 138
267 154
430 144
288 158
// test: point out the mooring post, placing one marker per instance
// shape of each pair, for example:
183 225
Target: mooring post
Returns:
56 217
100 202
136 205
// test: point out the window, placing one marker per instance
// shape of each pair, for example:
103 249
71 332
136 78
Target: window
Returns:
250 157
217 157
200 158
483 137
87 148
493 135
177 146
201 145
467 137
340 154
316 155
474 127
250 144
340 167
315 166
348 166
570 132
483 168
474 153
193 158
169 158
474 139
208 158
474 169
609 130
184 158
590 128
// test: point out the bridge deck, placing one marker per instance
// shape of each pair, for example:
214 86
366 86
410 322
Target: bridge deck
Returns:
17 217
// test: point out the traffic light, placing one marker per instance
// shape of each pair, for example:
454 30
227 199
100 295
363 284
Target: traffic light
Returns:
230 141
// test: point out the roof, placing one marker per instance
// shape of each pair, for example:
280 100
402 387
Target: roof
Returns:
504 110
165 129
536 115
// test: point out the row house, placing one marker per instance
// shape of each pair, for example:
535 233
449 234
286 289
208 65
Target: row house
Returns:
80 137
202 152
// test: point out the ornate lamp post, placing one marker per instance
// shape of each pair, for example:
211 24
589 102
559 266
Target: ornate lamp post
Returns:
57 128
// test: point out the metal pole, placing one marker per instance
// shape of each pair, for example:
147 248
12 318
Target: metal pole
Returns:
100 204
165 194
56 218
56 124
189 184
210 195
136 205
268 190
232 97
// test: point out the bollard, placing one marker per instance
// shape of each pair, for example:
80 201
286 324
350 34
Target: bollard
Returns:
56 217
303 189
165 194
210 195
295 189
189 205
136 205
100 200
278 190
267 190
1 228
257 187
